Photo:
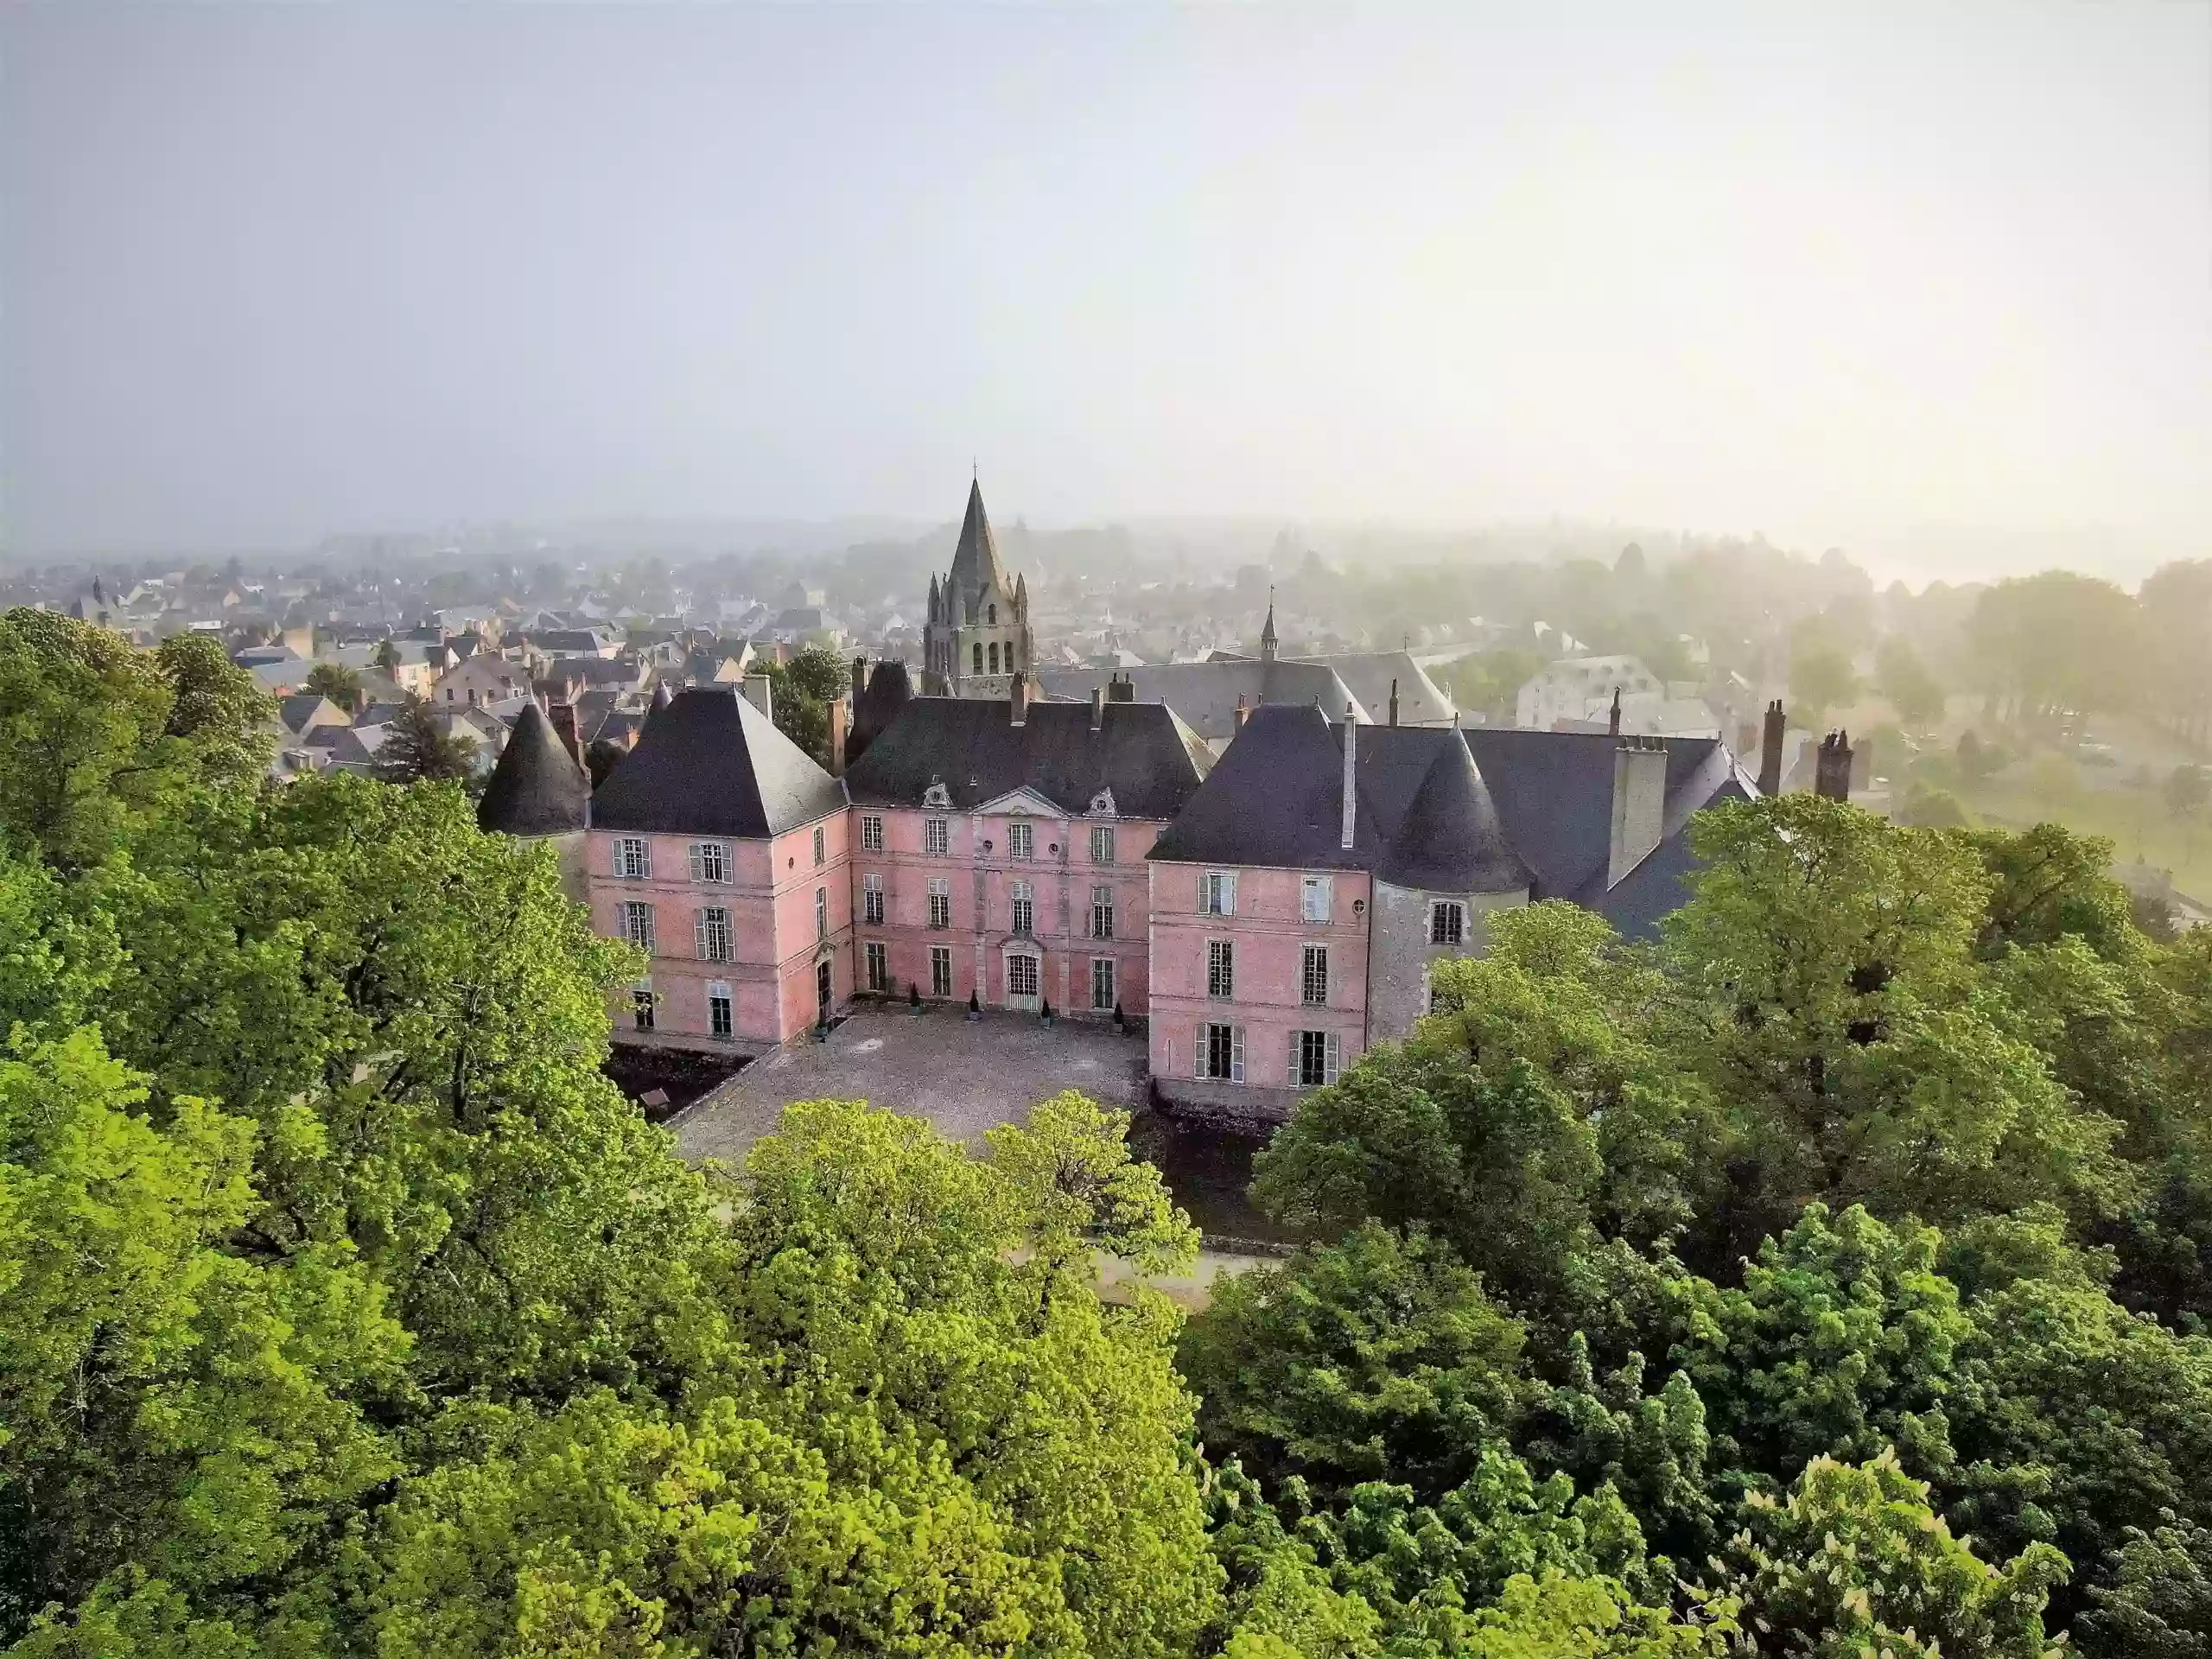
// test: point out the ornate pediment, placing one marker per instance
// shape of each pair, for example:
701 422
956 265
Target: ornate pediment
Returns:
936 794
1102 805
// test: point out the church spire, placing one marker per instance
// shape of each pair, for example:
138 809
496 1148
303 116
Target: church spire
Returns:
1267 630
976 563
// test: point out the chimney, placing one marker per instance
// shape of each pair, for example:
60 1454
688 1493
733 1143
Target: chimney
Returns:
1244 711
1613 725
761 692
1394 706
1771 751
840 723
1832 767
1639 803
1120 689
1018 700
1097 707
1352 779
563 716
860 679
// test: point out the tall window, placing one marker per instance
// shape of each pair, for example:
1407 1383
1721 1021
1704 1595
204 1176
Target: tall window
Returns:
641 1004
940 901
871 832
709 861
1102 843
991 614
1313 899
1020 839
1101 912
1024 907
1217 893
1313 980
872 900
821 850
1220 1050
719 1020
636 923
1102 983
979 659
1447 922
879 966
994 658
1021 976
710 933
1314 1057
633 859
821 913
936 836
940 970
1221 968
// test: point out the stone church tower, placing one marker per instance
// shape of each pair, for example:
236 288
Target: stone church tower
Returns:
977 638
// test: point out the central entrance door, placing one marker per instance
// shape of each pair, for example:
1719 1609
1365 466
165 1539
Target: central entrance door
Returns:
1021 982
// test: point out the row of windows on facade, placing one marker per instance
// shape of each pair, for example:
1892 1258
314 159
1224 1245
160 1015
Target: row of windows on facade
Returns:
720 1022
1447 917
709 861
1021 903
990 654
712 938
1021 975
1312 1057
1312 975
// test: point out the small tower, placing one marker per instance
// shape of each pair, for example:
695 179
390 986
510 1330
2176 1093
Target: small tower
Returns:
1267 630
978 636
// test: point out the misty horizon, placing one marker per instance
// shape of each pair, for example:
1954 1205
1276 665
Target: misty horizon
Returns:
1932 291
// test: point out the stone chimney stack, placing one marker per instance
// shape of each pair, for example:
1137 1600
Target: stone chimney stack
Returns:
841 722
1639 803
860 679
1244 711
564 717
1832 767
1352 779
1394 703
1097 707
1018 699
1120 689
1613 724
1771 751
761 691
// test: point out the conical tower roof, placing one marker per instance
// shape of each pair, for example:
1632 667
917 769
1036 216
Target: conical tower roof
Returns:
975 562
536 790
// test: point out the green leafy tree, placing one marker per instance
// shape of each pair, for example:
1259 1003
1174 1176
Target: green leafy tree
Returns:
1904 678
341 685
417 749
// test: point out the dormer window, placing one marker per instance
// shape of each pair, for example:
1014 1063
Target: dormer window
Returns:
993 614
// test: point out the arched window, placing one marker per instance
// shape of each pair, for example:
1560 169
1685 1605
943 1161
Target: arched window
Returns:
995 659
979 659
995 615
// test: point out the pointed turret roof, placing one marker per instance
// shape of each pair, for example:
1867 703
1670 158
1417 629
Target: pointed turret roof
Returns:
536 790
975 560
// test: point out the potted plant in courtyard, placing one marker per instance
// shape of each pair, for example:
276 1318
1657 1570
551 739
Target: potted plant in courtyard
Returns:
1120 1024
975 1008
1046 1012
914 996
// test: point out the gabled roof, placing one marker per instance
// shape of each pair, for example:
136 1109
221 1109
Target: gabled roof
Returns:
1371 675
1150 760
303 708
536 790
1423 817
1555 795
712 764
975 562
1206 694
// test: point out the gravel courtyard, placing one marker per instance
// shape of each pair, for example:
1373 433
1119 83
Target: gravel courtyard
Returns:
964 1078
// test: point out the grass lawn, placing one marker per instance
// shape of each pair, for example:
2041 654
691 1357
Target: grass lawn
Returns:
2135 821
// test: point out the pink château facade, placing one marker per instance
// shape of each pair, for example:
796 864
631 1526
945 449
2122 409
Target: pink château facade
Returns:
1259 983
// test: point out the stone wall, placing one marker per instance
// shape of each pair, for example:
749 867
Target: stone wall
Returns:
1400 951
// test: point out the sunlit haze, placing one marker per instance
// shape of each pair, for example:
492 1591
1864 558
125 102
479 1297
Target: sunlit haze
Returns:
1837 276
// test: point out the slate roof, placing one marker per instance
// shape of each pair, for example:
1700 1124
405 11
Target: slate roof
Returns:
975 562
888 690
1149 759
300 707
1206 694
712 764
1423 816
1369 674
536 790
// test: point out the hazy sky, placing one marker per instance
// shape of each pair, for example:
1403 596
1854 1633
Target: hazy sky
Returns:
268 273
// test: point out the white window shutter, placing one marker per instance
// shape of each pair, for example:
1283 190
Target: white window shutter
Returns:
1236 1053
1290 1066
1198 1054
1229 893
1204 893
699 934
692 851
1332 1061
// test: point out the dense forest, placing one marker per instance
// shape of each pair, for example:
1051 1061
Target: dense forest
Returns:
1827 1279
